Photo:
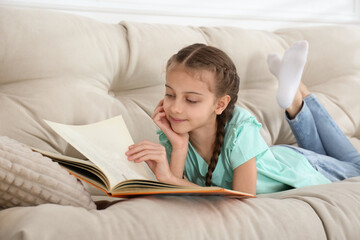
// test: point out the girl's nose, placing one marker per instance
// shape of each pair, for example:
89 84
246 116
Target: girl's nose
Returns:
177 107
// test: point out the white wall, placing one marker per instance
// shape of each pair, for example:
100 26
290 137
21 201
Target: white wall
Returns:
260 14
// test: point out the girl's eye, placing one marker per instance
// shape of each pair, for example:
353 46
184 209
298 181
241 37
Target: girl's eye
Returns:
169 95
191 101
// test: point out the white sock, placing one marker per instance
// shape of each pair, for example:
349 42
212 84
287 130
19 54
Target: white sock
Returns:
289 71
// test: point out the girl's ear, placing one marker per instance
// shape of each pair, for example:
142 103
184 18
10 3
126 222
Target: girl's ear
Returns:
222 104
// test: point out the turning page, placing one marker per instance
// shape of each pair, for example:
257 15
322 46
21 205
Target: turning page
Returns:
104 143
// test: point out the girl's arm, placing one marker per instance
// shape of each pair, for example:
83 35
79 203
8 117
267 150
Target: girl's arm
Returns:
182 182
177 162
179 142
245 175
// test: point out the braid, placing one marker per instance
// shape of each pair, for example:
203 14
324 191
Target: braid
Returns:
219 139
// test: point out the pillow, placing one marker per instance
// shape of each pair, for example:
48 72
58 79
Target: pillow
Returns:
27 179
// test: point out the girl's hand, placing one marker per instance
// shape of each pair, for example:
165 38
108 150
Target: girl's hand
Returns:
154 155
178 141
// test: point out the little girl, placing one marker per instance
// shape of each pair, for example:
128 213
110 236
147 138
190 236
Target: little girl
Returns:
207 140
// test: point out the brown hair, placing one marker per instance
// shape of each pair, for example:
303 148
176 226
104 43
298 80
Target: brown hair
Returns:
201 56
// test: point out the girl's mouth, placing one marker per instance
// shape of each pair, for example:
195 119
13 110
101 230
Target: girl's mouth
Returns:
176 120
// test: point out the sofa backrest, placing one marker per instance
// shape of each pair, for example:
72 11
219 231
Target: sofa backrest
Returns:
75 70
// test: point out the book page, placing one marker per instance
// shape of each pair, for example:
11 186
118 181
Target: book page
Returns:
105 143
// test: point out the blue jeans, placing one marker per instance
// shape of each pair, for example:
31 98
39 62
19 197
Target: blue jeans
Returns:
323 143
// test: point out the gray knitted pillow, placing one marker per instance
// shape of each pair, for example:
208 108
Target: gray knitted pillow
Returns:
27 179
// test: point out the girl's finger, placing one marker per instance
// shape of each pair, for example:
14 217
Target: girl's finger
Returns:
144 147
148 155
159 117
143 142
161 103
157 111
161 121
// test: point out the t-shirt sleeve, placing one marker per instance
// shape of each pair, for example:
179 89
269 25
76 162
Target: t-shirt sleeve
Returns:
248 142
163 140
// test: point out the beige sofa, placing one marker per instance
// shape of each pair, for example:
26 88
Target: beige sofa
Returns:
76 70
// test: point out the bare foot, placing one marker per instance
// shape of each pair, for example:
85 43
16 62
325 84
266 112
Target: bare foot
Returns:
296 105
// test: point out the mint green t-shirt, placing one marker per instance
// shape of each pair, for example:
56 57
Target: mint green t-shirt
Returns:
278 167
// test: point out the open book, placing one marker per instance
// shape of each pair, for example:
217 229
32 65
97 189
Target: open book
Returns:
104 145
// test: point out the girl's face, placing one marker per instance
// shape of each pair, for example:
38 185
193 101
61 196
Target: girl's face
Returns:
189 103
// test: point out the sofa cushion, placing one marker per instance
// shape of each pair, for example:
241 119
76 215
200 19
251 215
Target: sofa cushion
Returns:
28 179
